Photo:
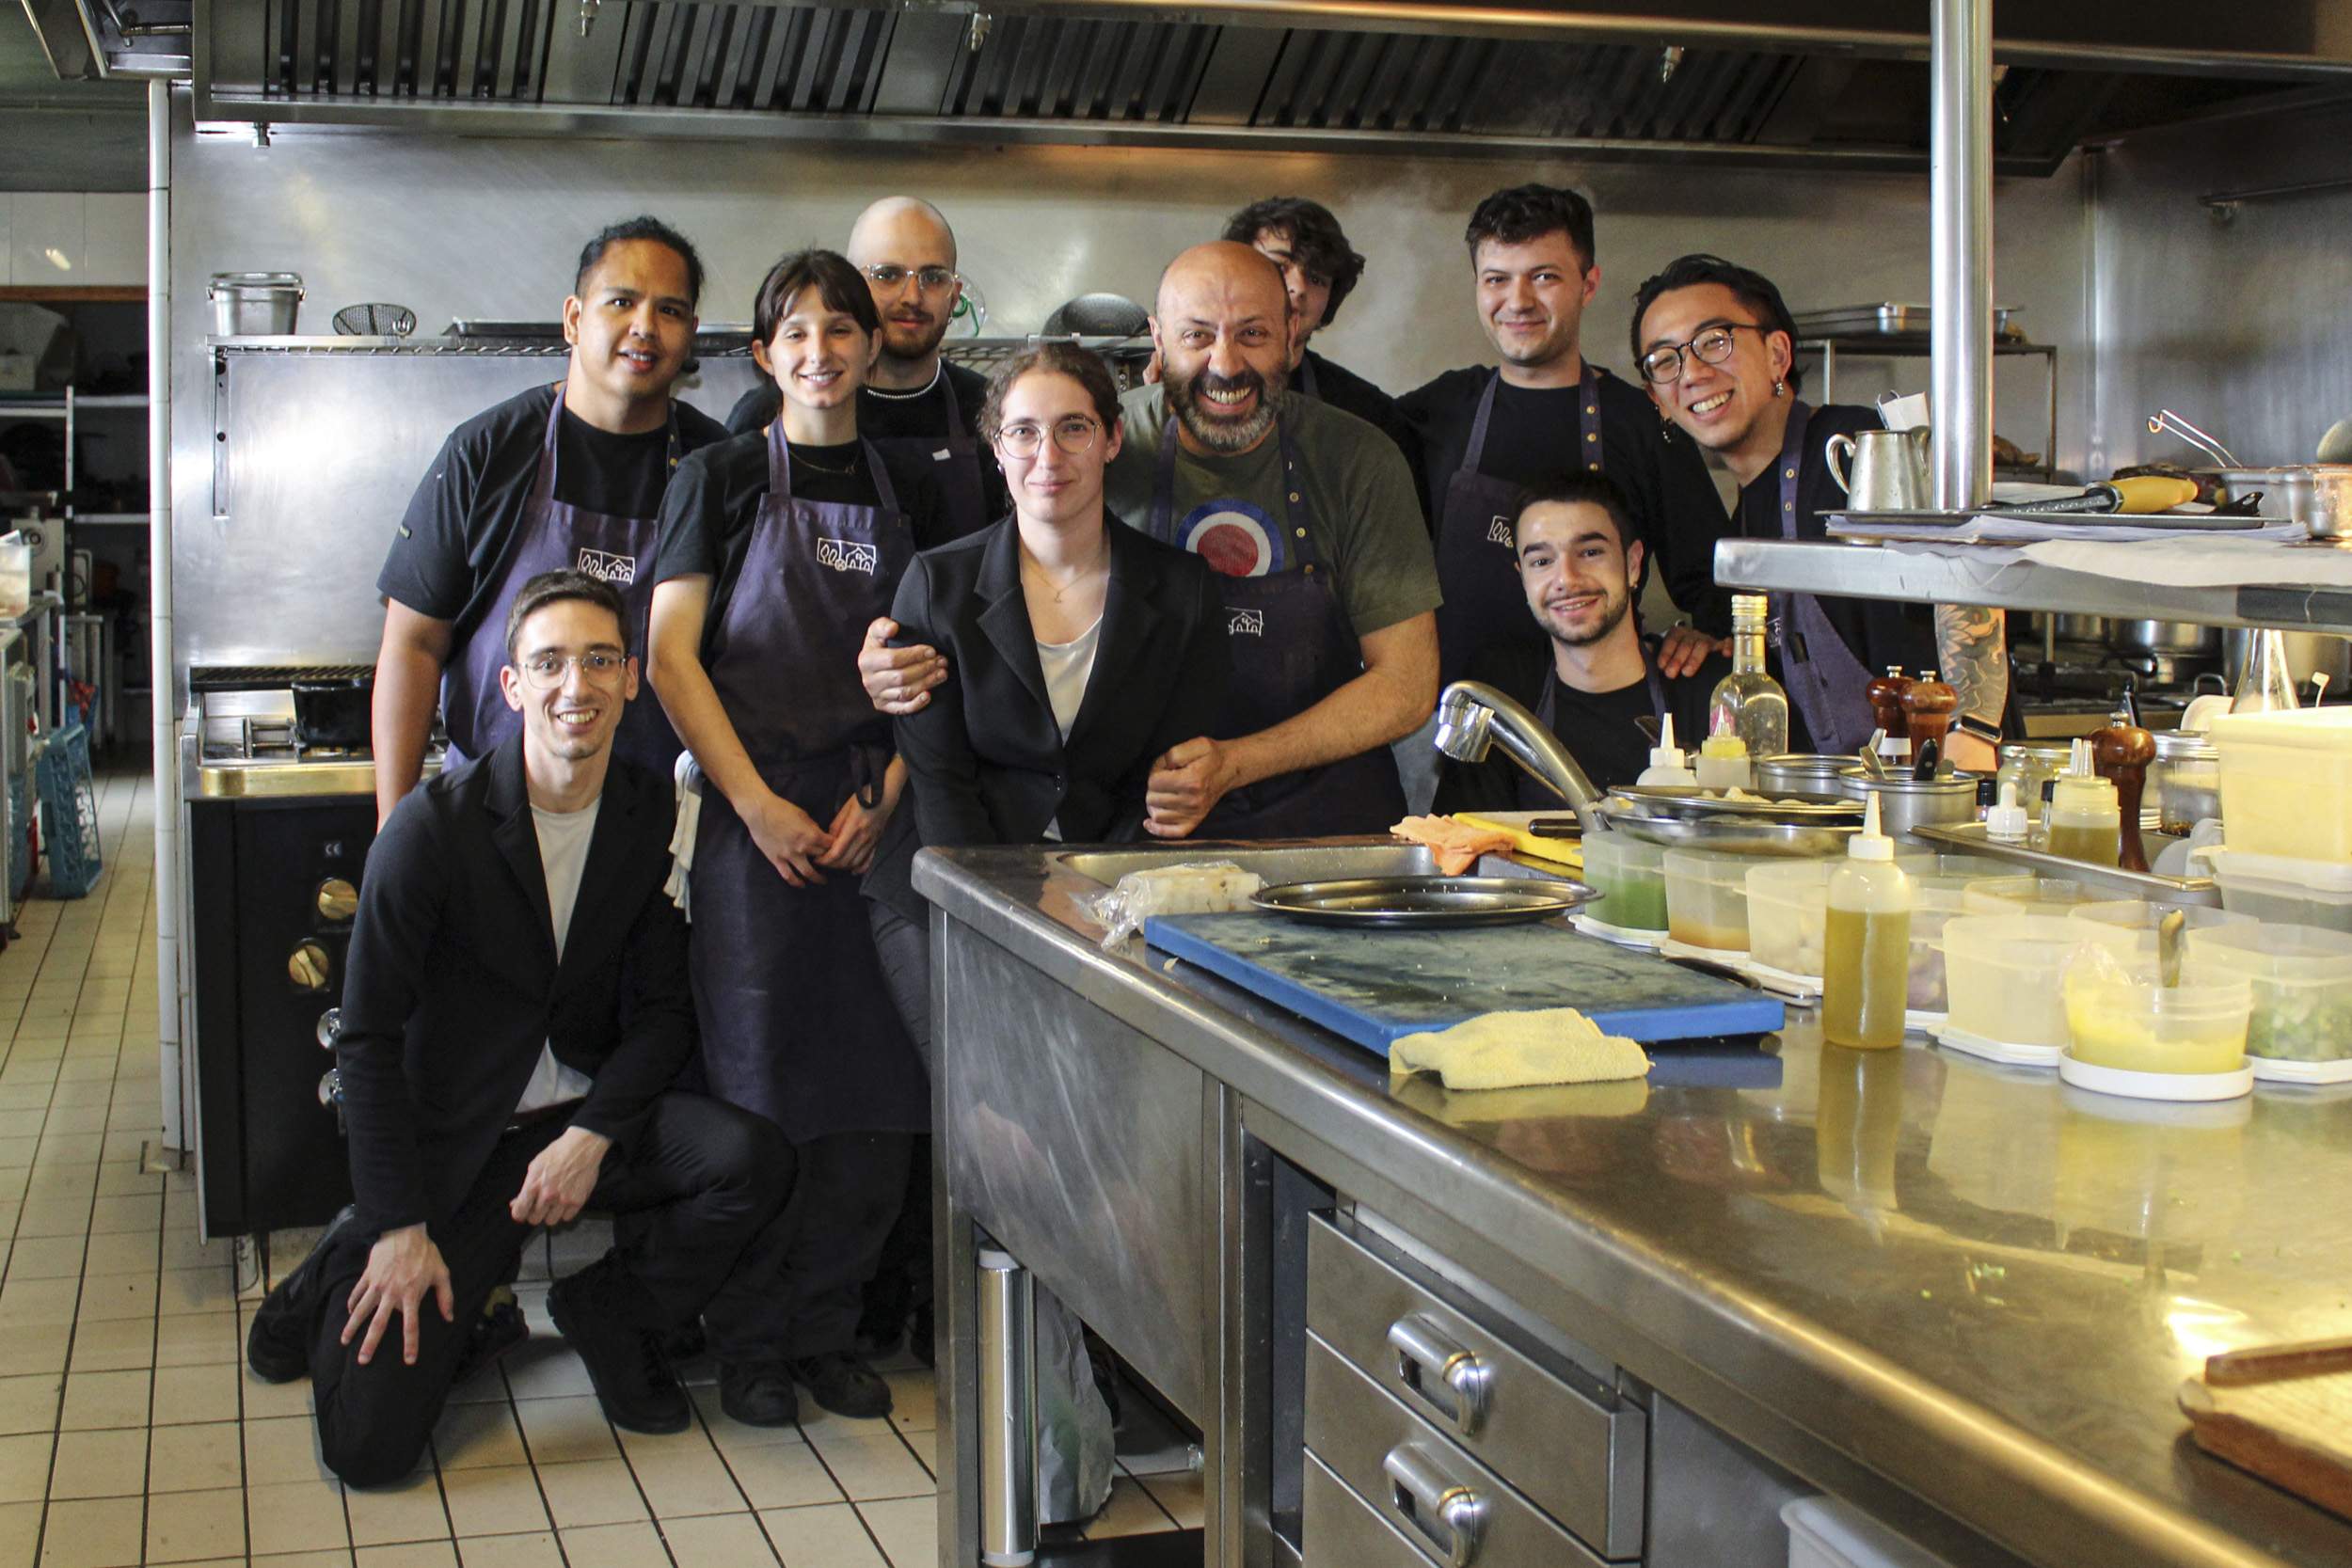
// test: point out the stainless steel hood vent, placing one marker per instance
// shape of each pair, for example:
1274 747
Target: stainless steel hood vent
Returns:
1324 76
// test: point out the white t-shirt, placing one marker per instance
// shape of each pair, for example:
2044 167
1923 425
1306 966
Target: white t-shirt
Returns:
1068 666
563 837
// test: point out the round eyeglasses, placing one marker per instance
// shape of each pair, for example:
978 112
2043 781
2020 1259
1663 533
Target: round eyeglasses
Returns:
1074 434
931 279
1712 345
601 665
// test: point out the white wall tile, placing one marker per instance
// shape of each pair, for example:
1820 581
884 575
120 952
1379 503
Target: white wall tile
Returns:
114 237
45 238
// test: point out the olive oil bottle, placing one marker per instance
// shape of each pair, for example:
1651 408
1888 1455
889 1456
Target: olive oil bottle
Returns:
1866 948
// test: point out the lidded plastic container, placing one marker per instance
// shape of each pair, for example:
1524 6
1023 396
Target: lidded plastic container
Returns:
1938 884
2007 974
1788 914
2025 895
2284 891
2142 916
2120 1014
2286 783
1706 896
2301 977
16 574
1631 876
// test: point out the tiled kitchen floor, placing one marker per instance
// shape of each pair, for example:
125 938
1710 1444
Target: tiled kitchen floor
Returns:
129 1432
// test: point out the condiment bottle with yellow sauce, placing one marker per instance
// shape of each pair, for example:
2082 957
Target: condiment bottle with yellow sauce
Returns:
2085 822
1867 952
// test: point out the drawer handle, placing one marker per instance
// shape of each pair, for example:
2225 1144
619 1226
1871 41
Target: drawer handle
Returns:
1427 1361
1450 1516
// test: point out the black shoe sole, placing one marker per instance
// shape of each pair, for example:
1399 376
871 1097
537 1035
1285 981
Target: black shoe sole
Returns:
275 1363
652 1426
880 1412
726 1404
270 1362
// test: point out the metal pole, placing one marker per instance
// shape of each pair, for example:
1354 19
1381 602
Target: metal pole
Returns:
1960 236
1007 1325
177 1118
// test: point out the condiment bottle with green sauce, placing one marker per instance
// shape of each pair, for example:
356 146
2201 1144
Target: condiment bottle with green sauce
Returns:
1865 978
2084 820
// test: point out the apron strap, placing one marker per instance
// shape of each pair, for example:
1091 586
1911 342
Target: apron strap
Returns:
960 440
886 498
1477 446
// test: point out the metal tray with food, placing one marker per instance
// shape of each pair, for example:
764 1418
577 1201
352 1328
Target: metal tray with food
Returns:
1689 801
1425 901
2149 885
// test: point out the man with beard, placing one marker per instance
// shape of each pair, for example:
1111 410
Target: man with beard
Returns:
1308 515
915 403
1594 680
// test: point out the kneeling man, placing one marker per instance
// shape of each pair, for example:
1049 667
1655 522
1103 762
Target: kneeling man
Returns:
514 1012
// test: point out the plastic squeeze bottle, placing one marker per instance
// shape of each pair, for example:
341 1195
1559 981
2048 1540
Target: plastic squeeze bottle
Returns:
1667 764
1723 763
1866 955
2085 822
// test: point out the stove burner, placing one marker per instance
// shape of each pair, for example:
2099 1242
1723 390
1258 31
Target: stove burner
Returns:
263 737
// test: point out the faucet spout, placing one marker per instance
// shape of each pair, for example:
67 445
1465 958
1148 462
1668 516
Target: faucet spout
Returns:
1473 717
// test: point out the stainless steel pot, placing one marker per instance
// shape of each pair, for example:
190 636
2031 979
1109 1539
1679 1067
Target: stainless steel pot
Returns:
1801 773
2089 629
255 304
2309 653
2172 637
1906 803
2319 494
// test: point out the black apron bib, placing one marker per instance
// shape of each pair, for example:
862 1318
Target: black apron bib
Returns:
954 465
1534 797
1477 569
796 1022
555 535
1829 686
1291 646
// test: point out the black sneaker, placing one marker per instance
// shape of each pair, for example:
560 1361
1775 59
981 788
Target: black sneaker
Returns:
843 1385
758 1393
606 1315
278 1345
501 1327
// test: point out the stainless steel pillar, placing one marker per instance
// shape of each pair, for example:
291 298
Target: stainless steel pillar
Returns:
1961 235
1007 1415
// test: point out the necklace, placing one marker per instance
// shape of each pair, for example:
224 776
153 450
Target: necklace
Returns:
939 368
801 457
1030 563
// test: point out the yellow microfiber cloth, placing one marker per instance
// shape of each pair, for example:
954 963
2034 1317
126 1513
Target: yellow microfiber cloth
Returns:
1513 1050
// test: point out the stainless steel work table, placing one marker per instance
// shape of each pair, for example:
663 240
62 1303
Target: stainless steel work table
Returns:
1904 1276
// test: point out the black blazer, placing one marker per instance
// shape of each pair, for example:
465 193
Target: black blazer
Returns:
986 762
452 985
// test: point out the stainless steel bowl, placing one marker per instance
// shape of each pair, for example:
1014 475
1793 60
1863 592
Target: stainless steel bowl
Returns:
2317 495
1801 773
1738 834
1906 804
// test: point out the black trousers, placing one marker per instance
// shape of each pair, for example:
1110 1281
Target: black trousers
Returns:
707 1182
902 1274
845 1198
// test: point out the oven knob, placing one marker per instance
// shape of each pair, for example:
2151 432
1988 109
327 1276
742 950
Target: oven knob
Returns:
331 1086
330 1024
336 900
308 966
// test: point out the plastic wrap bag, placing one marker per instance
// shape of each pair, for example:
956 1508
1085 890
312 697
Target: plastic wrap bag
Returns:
1075 1450
1198 887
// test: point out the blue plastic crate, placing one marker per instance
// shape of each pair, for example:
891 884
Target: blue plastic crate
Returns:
69 813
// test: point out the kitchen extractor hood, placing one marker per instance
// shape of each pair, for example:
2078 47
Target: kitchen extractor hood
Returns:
84 40
1759 81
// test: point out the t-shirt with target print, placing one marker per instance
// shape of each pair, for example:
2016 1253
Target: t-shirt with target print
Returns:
1363 518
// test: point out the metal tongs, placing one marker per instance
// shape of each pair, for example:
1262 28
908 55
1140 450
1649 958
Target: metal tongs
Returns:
2165 421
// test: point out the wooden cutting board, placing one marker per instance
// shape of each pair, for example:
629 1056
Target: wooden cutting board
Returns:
2284 1413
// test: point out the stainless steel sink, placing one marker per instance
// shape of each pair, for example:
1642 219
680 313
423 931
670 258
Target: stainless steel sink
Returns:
1290 862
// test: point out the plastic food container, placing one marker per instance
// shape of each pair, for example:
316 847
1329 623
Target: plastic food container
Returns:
1938 884
1788 914
2025 895
16 576
1631 876
2301 977
2286 783
2007 973
2278 890
1706 896
2120 1015
2140 917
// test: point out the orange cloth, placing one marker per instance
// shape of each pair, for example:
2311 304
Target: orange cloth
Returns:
1458 844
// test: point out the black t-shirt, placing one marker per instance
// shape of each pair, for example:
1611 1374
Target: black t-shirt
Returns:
1609 733
1534 438
1343 390
706 515
448 553
893 415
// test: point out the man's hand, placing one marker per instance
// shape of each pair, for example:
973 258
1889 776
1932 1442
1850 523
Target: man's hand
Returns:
557 1185
401 1266
1685 648
1186 785
856 830
788 836
899 681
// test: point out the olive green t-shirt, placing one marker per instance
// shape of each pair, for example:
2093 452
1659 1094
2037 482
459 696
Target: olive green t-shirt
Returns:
1363 518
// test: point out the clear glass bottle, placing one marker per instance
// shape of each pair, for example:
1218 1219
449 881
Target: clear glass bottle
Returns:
2265 685
1748 702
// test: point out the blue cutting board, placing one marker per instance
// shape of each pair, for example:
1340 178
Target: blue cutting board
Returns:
1374 985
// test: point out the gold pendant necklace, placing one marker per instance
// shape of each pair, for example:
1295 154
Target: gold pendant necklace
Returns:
1030 563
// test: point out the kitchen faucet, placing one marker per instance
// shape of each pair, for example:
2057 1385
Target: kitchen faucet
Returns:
1473 717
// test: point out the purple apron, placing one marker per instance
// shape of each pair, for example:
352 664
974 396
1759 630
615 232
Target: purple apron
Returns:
555 535
955 466
796 1022
1534 797
1291 645
1829 686
1477 567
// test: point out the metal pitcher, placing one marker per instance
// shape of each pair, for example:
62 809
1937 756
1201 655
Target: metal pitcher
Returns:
1889 468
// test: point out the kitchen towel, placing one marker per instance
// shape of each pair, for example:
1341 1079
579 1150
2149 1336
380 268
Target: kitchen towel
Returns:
1515 1049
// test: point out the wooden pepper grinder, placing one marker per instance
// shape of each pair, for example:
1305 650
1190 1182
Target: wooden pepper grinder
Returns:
1887 707
2122 752
1927 708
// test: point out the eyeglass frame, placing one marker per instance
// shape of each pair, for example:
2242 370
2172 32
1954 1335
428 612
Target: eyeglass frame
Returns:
1094 435
1690 347
564 663
950 277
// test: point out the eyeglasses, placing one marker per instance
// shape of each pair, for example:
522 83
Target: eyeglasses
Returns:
1712 345
546 671
1074 434
930 281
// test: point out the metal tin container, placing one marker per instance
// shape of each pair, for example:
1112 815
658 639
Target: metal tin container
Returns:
1801 773
2317 495
255 304
1906 803
2184 780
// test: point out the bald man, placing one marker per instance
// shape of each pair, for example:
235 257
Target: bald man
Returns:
913 403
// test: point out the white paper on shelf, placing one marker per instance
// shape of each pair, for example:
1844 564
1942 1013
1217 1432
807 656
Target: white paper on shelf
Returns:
1998 528
2203 561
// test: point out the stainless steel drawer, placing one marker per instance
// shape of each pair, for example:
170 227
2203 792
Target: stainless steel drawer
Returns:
1458 1511
1338 1528
1577 1454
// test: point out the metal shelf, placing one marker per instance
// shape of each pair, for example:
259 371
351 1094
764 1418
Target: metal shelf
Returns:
1993 574
59 407
1915 345
122 519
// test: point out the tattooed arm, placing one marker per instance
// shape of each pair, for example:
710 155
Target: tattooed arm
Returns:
1970 640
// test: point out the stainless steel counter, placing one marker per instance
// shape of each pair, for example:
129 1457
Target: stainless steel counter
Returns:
1908 1276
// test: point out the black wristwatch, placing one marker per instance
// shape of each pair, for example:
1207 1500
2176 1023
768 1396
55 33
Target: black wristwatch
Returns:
1983 729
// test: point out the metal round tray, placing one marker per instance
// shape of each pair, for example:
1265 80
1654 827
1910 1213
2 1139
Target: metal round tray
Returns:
1687 801
1739 835
1425 901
